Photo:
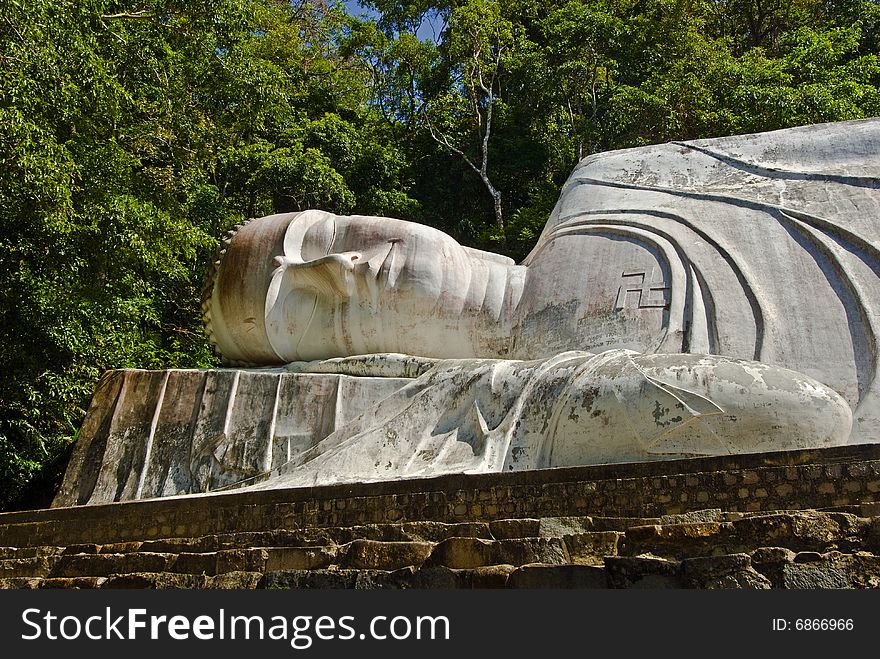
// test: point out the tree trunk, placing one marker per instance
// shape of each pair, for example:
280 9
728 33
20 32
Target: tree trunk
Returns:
499 215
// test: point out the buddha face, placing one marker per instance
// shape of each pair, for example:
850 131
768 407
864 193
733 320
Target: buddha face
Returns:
358 285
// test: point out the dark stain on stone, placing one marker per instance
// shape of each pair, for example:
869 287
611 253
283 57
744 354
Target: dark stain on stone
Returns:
658 414
590 395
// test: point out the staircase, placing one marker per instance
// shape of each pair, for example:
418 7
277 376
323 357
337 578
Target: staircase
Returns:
784 520
703 549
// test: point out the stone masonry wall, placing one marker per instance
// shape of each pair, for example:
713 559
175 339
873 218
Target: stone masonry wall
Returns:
817 479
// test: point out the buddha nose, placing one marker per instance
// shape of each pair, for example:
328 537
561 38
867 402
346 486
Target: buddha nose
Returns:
330 275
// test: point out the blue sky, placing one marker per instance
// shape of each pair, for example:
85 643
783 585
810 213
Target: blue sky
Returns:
429 29
354 7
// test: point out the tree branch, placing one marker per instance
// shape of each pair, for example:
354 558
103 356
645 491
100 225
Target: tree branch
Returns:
485 145
14 28
441 139
142 14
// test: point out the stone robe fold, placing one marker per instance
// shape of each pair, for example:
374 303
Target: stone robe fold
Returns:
480 416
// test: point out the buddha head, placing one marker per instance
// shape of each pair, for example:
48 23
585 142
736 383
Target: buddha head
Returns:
313 285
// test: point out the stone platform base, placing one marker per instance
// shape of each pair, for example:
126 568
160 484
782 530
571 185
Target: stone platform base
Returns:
803 519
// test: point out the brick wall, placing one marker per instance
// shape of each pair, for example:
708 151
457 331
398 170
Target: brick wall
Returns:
771 481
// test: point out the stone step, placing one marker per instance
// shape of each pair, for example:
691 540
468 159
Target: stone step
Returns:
797 530
435 577
27 535
558 576
39 566
467 553
29 552
765 567
149 580
556 541
314 537
82 561
440 577
236 580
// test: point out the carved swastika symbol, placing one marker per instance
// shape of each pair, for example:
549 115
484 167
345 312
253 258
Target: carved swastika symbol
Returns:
640 285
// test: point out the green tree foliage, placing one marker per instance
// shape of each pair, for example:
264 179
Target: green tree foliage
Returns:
131 136
97 142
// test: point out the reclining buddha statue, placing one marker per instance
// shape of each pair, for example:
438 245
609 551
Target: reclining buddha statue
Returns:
687 299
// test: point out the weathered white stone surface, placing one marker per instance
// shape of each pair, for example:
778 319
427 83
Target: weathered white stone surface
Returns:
163 433
313 285
155 433
575 408
744 271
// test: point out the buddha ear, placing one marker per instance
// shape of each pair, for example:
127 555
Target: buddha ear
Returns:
329 276
294 236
